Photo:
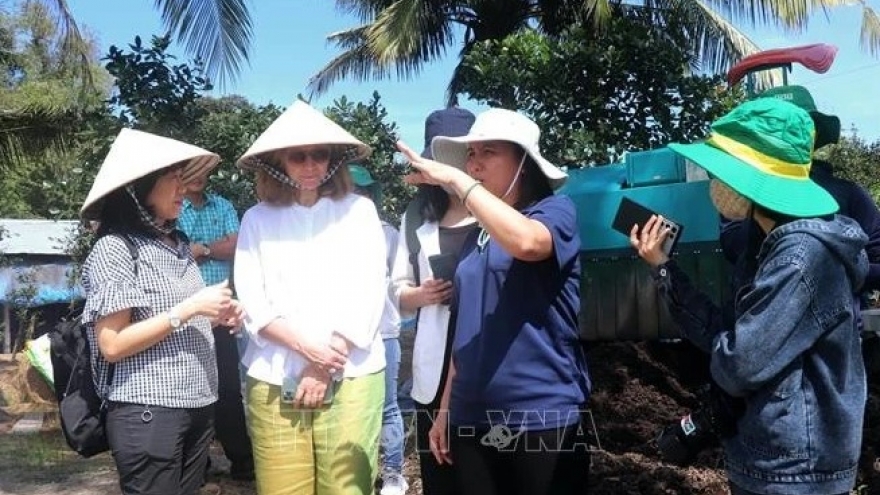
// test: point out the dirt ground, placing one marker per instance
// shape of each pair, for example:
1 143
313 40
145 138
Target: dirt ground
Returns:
639 388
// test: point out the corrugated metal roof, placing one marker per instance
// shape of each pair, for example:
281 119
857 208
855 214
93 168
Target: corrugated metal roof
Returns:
47 237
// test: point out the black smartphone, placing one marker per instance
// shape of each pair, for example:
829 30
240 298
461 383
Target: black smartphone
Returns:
443 266
630 213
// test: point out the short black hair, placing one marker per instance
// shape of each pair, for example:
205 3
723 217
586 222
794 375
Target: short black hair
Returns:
119 213
535 185
434 202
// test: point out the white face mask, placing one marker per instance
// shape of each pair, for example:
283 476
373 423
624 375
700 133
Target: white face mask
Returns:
731 204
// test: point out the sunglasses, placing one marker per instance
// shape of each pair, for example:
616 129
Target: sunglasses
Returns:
317 155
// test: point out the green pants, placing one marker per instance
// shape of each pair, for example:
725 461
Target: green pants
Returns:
332 450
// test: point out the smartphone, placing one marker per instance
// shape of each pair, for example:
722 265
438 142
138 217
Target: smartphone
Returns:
630 213
290 384
443 266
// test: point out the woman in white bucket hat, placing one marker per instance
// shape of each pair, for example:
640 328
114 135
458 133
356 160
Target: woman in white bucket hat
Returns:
310 270
518 378
149 315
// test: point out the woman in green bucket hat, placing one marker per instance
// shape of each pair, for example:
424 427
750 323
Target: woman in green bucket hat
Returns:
790 355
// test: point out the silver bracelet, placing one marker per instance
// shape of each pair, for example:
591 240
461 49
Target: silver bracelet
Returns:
467 192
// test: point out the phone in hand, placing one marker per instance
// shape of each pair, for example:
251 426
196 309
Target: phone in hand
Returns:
630 213
443 266
290 385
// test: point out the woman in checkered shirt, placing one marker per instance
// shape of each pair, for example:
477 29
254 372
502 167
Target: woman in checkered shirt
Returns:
149 316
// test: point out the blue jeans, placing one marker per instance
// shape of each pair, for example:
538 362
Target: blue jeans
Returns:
391 440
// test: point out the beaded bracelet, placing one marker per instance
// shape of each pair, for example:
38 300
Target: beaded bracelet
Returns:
467 192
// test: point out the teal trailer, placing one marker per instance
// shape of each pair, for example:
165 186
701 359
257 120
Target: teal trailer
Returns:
619 300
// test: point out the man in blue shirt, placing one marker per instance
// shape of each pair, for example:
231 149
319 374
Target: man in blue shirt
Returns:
211 223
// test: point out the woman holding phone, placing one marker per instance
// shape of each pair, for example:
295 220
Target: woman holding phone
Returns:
422 284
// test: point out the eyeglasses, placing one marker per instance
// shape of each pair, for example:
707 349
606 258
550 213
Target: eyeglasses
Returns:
317 155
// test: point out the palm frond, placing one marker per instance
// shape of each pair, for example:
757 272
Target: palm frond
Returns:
23 136
357 61
72 40
218 32
409 31
365 10
869 38
598 12
404 36
715 43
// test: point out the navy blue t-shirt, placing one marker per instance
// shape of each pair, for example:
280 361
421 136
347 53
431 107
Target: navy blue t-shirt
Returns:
516 351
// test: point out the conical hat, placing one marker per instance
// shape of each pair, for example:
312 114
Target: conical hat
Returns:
135 154
302 125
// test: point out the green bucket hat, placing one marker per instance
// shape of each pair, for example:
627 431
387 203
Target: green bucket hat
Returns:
362 179
827 126
762 150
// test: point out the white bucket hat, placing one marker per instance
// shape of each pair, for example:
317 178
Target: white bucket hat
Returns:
302 125
135 154
497 124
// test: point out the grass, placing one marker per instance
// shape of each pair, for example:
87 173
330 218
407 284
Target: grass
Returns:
45 457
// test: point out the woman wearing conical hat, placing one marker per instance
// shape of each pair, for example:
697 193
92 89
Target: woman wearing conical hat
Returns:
149 316
310 271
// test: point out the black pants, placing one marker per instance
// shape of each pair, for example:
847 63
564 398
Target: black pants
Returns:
549 462
437 479
159 450
229 421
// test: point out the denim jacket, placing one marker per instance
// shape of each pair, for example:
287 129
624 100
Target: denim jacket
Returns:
793 355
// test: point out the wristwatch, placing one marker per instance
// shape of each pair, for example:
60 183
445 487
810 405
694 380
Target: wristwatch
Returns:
207 251
174 321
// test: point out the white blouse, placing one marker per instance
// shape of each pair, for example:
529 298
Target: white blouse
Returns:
319 268
433 320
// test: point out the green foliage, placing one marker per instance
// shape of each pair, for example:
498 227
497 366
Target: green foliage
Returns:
230 125
856 160
44 105
597 95
152 93
369 123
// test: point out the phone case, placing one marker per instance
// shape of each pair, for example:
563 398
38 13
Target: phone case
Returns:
290 384
630 213
443 266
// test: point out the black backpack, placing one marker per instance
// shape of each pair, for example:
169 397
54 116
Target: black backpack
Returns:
80 408
413 218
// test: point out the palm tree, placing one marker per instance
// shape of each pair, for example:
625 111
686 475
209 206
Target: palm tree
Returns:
400 36
218 32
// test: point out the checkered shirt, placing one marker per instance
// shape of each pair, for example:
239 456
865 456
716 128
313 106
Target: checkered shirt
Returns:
181 370
214 220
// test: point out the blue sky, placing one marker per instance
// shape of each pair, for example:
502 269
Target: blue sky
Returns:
289 46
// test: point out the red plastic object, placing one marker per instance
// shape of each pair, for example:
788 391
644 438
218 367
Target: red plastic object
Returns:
818 58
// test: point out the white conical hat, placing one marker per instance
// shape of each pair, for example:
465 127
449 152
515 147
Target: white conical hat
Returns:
135 154
302 125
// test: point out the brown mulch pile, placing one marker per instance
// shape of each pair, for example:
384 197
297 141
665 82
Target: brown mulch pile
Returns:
639 388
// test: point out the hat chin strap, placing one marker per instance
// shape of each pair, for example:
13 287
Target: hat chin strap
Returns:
149 219
516 176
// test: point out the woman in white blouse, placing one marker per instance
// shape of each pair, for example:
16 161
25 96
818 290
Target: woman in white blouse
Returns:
310 271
